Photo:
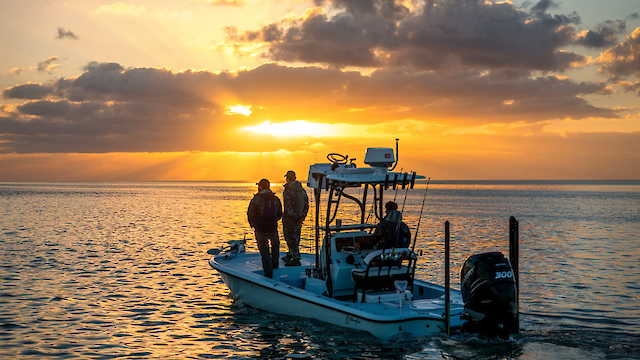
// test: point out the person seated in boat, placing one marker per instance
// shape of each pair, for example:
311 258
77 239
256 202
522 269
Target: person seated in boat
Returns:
265 209
391 229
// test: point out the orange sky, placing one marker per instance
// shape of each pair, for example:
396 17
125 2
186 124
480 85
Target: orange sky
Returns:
241 90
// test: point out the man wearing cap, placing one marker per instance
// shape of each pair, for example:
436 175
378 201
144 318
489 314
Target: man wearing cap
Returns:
394 233
265 209
296 206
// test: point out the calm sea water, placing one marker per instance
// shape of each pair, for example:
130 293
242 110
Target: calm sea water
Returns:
103 271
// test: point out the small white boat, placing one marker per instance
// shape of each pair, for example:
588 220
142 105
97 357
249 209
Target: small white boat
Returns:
351 281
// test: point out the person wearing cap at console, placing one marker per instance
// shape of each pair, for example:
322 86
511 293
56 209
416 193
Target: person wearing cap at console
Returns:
265 209
392 229
296 207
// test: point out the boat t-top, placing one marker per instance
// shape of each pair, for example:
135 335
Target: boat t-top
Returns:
353 279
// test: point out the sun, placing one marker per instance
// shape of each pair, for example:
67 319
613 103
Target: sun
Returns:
239 110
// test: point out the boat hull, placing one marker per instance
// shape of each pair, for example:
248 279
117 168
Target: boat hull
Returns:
383 320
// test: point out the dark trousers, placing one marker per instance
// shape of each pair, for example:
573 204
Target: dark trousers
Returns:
292 237
270 259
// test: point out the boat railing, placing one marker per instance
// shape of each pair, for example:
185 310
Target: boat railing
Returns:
336 228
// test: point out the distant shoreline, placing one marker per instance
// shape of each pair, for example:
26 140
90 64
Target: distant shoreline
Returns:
423 181
533 182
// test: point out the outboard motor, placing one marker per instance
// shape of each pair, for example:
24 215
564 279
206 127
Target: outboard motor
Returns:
489 293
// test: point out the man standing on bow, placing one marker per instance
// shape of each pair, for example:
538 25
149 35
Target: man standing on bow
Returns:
265 209
296 206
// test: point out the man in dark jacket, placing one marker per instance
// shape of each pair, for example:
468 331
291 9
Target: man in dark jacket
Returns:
296 207
393 234
265 209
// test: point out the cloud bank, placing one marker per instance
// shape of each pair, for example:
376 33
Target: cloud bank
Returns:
433 35
112 108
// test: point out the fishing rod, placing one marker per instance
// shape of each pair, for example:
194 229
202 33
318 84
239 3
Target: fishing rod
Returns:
405 192
415 239
396 194
399 226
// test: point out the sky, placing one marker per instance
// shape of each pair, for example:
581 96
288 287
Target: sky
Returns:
217 90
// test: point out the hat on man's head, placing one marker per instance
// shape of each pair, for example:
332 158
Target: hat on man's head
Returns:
391 205
291 174
264 183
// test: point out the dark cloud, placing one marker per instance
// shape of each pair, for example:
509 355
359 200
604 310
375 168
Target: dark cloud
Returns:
630 86
481 96
28 91
541 7
112 82
605 35
623 59
66 34
268 33
47 65
356 7
439 34
62 109
111 108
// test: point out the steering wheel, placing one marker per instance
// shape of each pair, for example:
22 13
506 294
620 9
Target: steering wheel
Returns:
352 250
336 158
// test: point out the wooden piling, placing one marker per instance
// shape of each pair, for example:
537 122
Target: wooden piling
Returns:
514 254
447 282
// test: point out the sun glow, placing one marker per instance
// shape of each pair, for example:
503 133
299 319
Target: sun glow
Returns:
293 128
239 110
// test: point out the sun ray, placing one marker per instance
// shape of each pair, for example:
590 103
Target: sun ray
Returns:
293 128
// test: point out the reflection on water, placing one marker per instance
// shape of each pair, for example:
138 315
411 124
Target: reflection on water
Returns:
120 270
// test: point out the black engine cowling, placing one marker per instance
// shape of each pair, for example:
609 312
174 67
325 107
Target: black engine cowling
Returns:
489 293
